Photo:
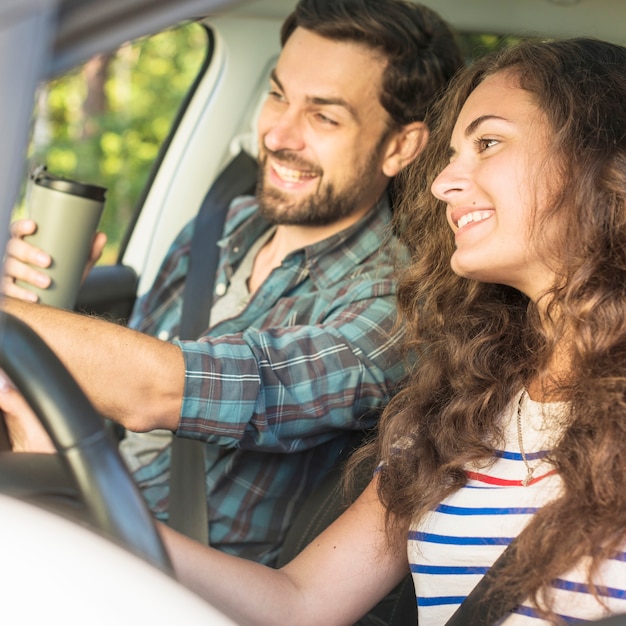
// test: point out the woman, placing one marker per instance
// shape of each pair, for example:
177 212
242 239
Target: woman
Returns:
515 415
519 393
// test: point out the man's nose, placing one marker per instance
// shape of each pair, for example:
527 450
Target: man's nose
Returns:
285 132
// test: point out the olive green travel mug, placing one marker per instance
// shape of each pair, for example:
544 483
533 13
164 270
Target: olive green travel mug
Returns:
67 215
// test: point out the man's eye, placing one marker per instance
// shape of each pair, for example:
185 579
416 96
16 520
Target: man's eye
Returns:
275 95
326 120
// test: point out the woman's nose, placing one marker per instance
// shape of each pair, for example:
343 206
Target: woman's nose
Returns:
449 181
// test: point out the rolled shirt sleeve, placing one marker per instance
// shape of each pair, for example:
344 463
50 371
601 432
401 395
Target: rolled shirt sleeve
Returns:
285 389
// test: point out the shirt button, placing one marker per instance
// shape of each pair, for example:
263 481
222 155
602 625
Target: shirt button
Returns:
163 335
220 289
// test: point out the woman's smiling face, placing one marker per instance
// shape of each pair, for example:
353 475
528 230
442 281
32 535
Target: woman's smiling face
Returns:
495 182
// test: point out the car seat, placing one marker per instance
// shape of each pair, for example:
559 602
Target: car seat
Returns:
319 510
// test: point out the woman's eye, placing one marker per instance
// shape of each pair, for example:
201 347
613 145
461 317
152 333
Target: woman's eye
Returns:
485 143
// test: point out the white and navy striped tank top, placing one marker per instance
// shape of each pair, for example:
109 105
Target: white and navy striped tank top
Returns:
456 544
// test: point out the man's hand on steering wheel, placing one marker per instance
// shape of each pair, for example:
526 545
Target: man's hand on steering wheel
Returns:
26 432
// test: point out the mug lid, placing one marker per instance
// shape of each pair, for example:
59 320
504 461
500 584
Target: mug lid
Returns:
42 177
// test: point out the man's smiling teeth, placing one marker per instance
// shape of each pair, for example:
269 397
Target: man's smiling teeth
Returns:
475 216
291 176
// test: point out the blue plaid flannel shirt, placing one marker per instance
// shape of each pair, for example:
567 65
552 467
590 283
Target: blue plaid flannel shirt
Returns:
278 392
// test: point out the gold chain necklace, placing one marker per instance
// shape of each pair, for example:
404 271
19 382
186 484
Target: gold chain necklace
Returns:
529 470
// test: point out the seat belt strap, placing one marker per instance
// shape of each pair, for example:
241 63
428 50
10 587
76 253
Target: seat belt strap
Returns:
188 498
482 608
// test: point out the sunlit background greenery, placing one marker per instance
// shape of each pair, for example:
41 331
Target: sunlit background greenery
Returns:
104 123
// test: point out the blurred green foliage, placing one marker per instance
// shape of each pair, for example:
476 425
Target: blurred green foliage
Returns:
104 123
475 45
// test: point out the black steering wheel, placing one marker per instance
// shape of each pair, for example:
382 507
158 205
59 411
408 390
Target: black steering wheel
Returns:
85 450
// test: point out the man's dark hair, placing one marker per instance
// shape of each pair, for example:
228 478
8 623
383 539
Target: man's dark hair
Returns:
421 52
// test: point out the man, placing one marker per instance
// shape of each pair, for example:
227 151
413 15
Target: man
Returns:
302 350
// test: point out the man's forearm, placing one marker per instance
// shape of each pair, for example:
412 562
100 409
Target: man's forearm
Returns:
131 378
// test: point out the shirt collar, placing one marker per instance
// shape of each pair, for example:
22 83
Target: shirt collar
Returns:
326 260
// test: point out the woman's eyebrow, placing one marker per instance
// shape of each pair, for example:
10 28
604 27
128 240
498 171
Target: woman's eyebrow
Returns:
473 126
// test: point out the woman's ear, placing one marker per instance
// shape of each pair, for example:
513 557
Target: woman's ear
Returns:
404 147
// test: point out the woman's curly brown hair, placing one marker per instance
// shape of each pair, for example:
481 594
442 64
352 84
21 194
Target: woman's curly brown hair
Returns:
475 345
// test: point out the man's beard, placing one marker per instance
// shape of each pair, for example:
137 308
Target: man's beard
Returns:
325 206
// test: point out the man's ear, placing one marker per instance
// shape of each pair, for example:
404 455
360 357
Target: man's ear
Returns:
404 147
